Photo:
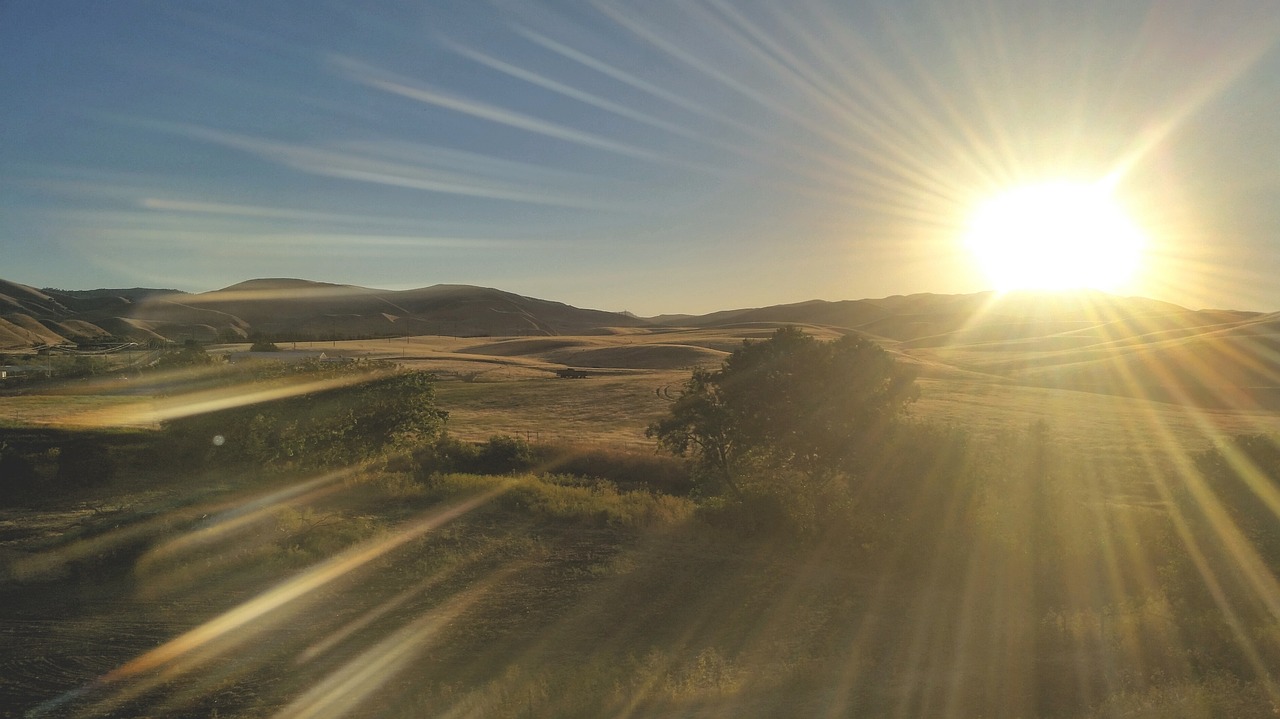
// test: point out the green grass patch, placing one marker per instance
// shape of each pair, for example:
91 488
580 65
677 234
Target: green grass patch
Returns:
568 499
66 411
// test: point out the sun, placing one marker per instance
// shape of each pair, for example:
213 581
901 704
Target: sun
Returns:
1056 236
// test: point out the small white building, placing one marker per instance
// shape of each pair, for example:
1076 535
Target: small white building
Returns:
286 356
14 371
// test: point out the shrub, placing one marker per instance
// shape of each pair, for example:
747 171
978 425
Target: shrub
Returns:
84 463
501 454
599 505
17 475
446 454
192 354
922 481
504 454
304 536
628 469
753 513
371 409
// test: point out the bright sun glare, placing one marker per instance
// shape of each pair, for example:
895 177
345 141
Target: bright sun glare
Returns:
1056 236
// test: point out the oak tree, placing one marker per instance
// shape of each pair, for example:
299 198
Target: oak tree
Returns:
791 402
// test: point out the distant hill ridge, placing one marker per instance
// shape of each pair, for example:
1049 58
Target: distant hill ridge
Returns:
132 293
282 308
1085 341
1088 341
291 308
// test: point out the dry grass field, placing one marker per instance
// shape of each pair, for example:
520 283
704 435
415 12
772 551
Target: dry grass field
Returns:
389 592
1110 424
508 385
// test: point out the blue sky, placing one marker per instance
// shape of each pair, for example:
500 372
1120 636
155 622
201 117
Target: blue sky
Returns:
653 157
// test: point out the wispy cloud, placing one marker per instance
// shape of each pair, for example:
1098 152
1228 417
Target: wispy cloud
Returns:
352 164
565 90
397 85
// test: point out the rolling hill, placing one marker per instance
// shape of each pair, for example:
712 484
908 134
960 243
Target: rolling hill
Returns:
1086 341
283 309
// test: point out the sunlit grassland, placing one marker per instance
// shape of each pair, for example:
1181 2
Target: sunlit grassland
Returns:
507 385
616 408
517 394
612 409
1068 561
1113 426
384 551
57 410
553 597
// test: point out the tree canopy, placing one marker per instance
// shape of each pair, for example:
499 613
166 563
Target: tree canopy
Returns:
791 402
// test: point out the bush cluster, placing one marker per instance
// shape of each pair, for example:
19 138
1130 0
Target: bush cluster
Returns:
30 470
353 412
921 479
84 463
192 354
568 500
501 454
625 468
505 454
17 474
